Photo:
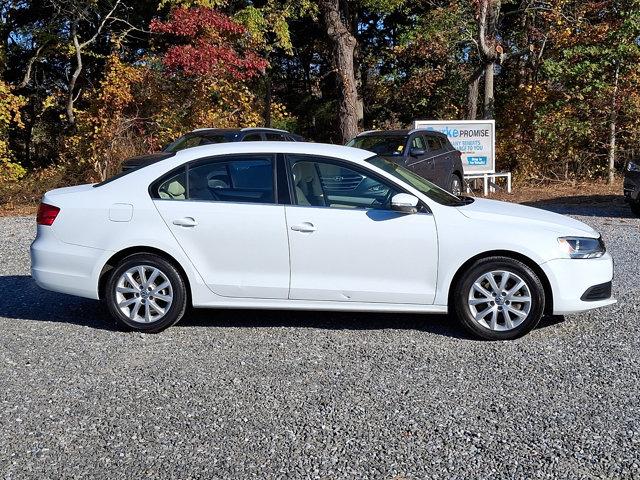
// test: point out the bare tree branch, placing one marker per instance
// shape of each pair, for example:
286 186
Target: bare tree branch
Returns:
27 74
79 47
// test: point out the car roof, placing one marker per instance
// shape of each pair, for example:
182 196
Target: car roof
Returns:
304 148
320 149
402 132
235 130
155 169
377 133
150 173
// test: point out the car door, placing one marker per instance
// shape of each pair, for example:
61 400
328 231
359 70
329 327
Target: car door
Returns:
422 165
439 159
347 245
223 213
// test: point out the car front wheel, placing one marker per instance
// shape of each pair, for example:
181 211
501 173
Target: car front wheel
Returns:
146 293
499 298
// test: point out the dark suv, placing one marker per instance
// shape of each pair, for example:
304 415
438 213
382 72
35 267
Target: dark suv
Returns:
632 186
206 136
425 152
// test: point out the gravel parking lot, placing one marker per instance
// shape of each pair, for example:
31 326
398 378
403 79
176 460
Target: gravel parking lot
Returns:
254 394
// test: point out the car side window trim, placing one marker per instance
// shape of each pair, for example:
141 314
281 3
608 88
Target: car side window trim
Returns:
284 194
153 187
424 208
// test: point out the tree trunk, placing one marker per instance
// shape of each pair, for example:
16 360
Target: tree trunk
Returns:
472 95
488 91
343 43
267 102
488 13
71 118
613 121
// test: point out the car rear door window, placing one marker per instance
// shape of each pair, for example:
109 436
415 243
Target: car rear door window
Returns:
434 143
245 180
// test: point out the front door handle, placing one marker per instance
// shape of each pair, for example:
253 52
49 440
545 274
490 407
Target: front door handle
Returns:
185 222
306 227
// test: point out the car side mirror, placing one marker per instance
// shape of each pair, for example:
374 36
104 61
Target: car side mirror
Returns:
404 203
417 152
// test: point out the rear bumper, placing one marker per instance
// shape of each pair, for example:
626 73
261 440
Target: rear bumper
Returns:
571 279
65 268
632 186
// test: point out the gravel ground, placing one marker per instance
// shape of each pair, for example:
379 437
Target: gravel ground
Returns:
251 394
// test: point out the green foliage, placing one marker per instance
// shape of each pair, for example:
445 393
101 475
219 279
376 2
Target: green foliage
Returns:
10 105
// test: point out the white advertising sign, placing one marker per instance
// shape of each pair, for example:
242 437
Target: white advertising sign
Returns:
475 139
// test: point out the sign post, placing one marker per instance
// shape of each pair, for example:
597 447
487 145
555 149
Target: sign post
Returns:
475 139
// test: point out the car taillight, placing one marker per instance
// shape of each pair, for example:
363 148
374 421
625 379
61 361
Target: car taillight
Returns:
47 214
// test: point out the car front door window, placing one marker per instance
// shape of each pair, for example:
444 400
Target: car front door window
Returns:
418 143
322 183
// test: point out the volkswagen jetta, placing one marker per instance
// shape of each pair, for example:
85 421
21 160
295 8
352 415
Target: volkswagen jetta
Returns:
277 225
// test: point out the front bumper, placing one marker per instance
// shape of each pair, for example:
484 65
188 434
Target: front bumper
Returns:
571 279
63 267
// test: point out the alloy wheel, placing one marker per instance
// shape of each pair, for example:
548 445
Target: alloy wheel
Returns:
499 300
144 294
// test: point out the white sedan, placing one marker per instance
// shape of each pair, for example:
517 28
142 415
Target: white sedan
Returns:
307 226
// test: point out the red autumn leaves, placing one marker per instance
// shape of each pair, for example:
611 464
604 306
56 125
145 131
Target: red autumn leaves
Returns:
211 43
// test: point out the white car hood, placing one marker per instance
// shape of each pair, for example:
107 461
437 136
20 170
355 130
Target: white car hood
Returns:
492 210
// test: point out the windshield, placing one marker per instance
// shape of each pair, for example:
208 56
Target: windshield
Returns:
431 190
188 141
385 145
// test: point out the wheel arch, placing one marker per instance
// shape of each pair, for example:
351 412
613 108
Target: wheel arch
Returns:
548 292
117 257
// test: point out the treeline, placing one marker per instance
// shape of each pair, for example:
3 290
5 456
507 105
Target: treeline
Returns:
86 83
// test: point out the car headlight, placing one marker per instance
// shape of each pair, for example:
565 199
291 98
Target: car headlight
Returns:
582 247
633 167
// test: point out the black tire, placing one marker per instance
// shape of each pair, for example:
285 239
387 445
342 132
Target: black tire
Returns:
635 206
463 310
178 291
455 184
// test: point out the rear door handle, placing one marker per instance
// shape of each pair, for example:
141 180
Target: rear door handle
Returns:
185 222
306 227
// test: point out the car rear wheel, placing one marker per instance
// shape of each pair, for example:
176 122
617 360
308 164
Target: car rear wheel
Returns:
455 185
146 293
499 298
